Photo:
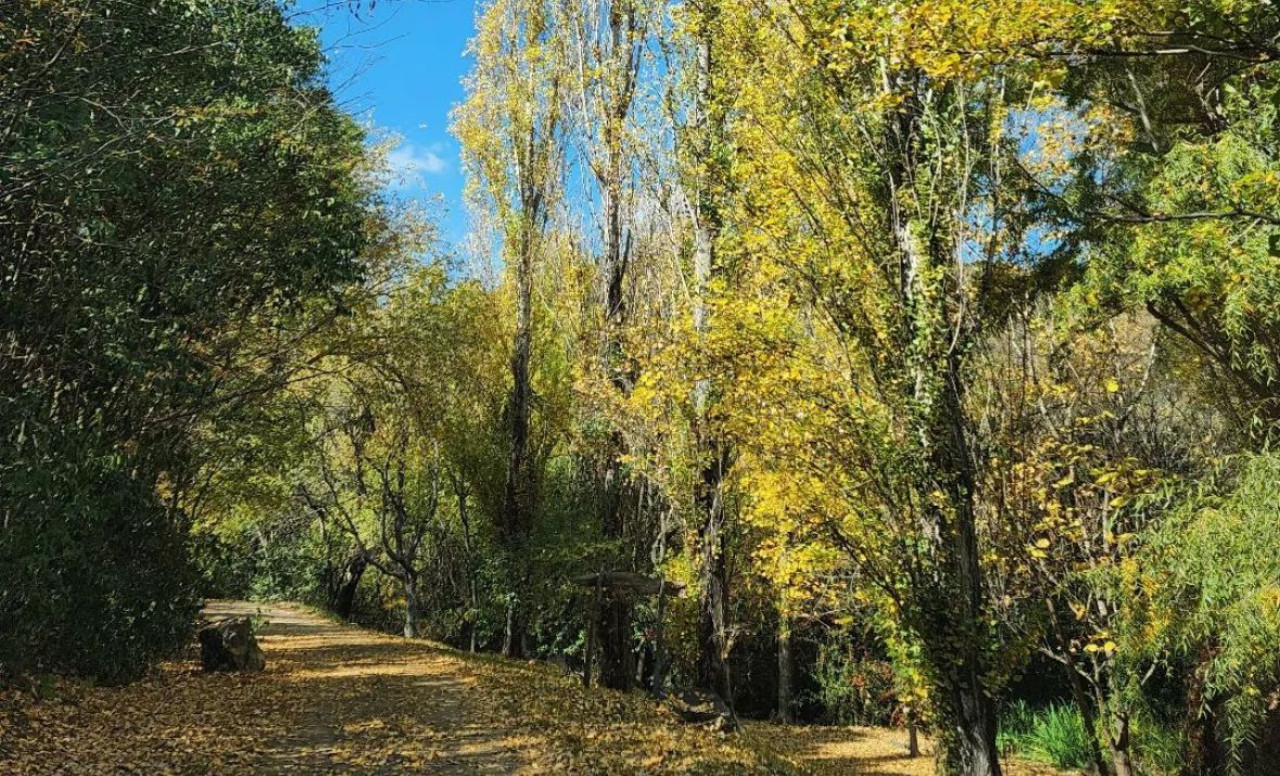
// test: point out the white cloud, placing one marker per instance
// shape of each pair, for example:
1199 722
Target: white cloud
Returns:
410 164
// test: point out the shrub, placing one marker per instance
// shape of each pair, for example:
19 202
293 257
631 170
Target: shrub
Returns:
855 689
95 581
1055 734
1158 746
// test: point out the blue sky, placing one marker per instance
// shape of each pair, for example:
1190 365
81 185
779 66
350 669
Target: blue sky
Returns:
399 67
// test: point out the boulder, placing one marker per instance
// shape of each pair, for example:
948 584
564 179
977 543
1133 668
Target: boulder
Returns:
229 645
702 708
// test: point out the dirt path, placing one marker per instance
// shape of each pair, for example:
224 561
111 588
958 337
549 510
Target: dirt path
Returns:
367 700
334 699
341 699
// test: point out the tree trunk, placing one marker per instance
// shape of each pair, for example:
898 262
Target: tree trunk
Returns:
951 624
973 749
344 596
1089 717
644 664
1204 755
410 606
786 669
657 682
473 592
617 656
517 492
513 633
593 627
958 645
613 626
950 615
474 626
949 607
712 668
1118 742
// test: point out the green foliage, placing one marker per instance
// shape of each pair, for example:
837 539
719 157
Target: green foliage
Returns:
1210 598
94 580
854 688
178 193
1159 747
288 564
1055 734
1193 210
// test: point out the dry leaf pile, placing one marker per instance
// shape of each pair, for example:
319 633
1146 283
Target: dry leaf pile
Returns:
339 699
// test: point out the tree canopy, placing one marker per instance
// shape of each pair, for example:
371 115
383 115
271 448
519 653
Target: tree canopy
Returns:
913 362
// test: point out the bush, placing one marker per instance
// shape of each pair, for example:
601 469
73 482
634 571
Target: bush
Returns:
95 581
1159 747
1055 734
855 689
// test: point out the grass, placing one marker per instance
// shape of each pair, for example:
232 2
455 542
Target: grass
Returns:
1054 735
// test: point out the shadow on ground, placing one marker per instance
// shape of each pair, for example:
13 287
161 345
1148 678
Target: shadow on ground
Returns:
339 699
334 699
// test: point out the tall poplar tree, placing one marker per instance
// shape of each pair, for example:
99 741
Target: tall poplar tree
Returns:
509 127
605 43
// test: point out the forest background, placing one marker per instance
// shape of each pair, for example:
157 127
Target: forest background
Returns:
921 355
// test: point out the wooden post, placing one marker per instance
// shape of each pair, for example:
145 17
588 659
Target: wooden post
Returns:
657 686
624 586
593 618
913 738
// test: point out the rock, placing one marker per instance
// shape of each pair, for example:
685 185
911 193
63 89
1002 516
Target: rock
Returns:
229 645
701 708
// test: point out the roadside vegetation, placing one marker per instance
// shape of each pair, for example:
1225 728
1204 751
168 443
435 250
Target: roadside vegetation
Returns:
908 364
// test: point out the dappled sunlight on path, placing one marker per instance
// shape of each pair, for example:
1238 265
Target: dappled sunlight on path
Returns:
334 699
859 751
845 750
339 699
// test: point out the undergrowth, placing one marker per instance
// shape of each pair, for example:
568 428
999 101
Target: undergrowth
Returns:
1054 734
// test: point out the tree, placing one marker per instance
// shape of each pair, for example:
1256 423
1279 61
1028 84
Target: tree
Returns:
379 478
605 46
508 127
1091 423
177 182
865 164
1208 600
705 171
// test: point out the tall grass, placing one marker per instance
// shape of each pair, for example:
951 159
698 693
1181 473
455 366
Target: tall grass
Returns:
1055 734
